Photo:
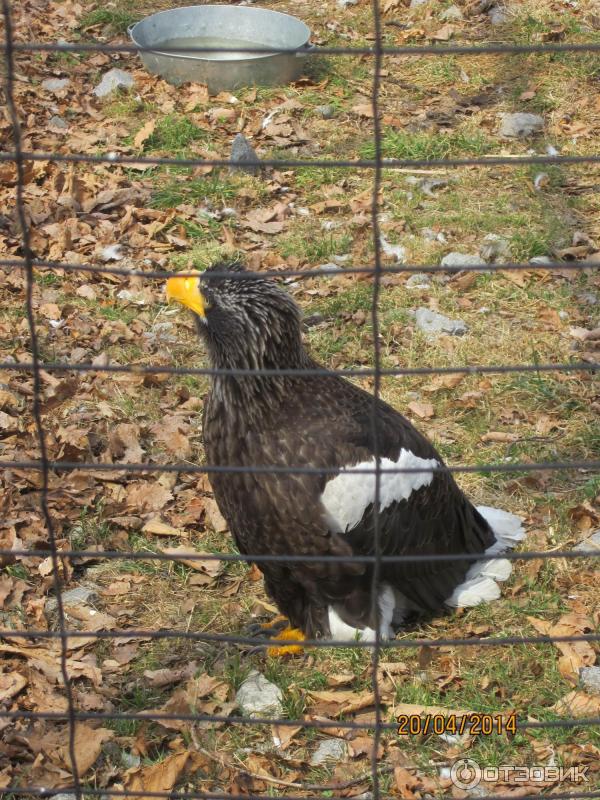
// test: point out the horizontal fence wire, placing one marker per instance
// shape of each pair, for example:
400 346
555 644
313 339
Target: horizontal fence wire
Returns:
30 264
395 269
114 158
255 469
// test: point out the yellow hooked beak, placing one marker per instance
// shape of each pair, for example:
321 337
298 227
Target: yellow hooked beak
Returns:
186 291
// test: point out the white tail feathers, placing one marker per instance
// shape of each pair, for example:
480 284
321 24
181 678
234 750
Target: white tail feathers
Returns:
480 584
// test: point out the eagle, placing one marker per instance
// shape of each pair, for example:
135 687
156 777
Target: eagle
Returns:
272 424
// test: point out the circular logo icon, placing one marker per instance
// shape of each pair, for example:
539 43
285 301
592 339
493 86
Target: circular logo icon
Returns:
465 773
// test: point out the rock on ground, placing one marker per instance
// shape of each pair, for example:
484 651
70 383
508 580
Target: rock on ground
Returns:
494 248
420 280
590 679
327 112
55 84
242 150
114 79
520 124
329 750
78 596
591 543
461 260
58 122
498 15
541 260
258 696
451 14
432 323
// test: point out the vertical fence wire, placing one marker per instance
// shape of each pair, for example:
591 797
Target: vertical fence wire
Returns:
19 161
376 288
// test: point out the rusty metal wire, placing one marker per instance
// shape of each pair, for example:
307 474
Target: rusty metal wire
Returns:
45 466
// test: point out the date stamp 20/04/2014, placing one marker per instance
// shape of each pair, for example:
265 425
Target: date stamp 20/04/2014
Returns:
457 724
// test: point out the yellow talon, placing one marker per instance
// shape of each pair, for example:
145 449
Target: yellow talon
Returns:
287 635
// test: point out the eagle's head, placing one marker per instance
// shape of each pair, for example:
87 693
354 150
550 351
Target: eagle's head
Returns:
247 322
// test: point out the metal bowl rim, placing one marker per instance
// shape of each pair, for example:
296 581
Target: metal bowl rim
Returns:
193 57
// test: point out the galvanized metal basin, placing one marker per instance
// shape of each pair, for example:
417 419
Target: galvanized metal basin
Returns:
222 26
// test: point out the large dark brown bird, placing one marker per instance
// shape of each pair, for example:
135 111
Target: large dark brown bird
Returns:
326 422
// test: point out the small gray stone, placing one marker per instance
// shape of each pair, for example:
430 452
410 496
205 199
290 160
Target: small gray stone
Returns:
520 124
395 251
452 14
461 260
78 596
498 15
129 760
494 248
63 796
329 750
433 236
420 280
55 84
313 319
346 3
432 323
242 150
590 679
541 260
58 122
590 544
327 112
417 3
588 298
258 696
113 79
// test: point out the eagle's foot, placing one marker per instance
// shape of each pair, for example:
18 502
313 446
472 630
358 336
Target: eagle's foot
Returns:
290 635
277 630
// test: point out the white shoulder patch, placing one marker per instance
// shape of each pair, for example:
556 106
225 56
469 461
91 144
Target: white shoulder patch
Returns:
347 496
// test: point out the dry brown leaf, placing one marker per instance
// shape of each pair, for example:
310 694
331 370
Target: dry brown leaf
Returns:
172 431
499 436
88 746
422 410
283 735
144 133
214 517
158 528
210 567
363 110
577 704
405 783
364 746
160 777
11 684
574 655
147 495
124 443
342 702
449 381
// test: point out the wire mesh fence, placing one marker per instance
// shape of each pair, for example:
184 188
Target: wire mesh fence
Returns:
47 468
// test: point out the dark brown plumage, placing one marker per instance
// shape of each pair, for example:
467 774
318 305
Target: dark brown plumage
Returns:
326 422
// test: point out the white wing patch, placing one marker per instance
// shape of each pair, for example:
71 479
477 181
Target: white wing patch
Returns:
347 496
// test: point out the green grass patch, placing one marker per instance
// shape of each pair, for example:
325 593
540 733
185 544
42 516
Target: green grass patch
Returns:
174 134
116 20
216 188
429 146
314 245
